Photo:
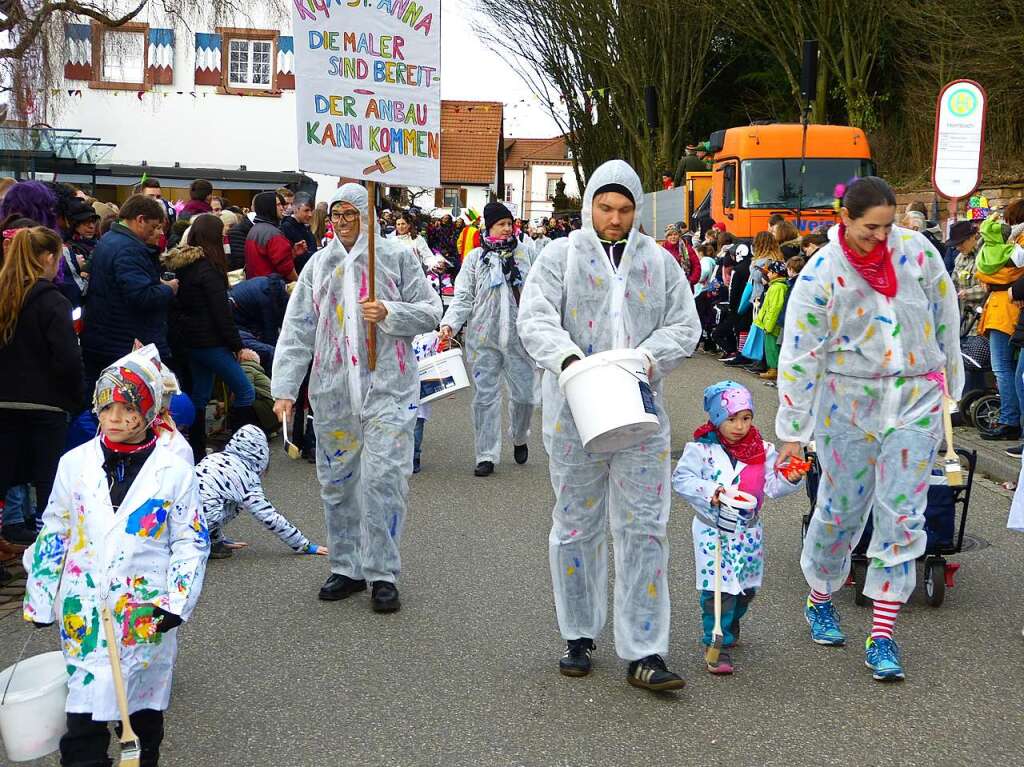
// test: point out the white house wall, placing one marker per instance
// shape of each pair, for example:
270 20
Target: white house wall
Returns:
185 123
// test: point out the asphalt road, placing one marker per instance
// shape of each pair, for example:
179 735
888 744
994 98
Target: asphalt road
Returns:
466 673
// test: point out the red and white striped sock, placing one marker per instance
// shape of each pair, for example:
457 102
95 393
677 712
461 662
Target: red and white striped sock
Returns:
884 619
820 597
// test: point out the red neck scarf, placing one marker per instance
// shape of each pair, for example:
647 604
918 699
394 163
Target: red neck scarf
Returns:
749 450
123 447
876 267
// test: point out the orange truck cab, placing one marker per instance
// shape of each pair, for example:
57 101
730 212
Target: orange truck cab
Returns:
756 173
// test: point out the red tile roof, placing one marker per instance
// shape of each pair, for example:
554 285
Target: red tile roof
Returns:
470 138
519 151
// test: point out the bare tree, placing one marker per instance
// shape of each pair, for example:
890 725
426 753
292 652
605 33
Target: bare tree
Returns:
590 62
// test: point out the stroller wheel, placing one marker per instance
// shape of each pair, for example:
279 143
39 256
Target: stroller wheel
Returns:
967 405
935 581
985 413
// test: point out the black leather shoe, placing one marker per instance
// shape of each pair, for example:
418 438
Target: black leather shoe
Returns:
737 362
484 469
1004 432
575 661
522 453
384 597
220 550
650 673
340 587
18 534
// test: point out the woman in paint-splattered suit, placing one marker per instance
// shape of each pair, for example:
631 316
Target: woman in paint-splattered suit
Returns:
871 327
124 529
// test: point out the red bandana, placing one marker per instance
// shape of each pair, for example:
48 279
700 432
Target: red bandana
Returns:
876 267
749 450
124 447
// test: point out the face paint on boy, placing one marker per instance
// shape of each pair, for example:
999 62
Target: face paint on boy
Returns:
122 423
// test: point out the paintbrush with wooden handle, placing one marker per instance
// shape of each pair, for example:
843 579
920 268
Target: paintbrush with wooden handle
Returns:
130 749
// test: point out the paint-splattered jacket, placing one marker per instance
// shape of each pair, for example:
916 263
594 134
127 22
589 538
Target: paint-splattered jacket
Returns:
151 552
700 471
836 323
484 302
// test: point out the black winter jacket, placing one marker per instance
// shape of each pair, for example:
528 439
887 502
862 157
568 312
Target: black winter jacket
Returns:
237 236
298 232
126 300
201 315
43 362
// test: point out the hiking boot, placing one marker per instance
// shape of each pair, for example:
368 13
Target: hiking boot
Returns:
882 656
824 622
340 587
724 665
220 550
650 673
483 469
19 535
522 452
769 375
384 597
575 660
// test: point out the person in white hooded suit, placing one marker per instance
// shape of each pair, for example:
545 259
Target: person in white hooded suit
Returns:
607 286
363 420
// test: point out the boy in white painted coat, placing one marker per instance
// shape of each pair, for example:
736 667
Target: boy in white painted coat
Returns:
124 529
728 454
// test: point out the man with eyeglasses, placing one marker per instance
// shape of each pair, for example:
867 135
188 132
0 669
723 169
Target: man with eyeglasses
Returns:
363 420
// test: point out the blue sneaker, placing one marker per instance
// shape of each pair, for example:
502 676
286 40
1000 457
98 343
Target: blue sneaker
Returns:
882 656
824 622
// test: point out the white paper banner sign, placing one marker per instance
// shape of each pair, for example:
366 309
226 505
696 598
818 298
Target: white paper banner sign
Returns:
368 89
959 138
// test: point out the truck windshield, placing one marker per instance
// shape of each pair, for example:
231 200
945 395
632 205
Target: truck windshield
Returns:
776 183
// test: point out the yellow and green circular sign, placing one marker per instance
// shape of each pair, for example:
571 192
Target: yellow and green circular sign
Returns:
962 102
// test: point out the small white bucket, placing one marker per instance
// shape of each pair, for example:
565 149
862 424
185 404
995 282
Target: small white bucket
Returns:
611 400
441 375
32 718
738 500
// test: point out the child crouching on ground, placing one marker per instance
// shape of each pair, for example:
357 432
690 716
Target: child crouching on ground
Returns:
123 530
230 482
728 454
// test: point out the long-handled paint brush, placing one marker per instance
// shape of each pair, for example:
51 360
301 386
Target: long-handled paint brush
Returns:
130 750
711 654
289 447
951 462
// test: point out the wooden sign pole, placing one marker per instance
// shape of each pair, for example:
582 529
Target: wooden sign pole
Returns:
371 330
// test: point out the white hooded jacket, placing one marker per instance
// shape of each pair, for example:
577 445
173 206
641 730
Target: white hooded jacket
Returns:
324 321
576 302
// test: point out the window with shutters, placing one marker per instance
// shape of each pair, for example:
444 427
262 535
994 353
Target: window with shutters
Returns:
120 56
452 196
249 61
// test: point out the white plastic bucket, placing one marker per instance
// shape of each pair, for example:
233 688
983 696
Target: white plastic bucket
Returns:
611 400
32 718
738 500
441 375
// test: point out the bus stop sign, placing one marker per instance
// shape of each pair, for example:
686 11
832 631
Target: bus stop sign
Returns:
959 139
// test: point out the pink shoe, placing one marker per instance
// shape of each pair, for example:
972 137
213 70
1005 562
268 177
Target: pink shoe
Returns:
724 665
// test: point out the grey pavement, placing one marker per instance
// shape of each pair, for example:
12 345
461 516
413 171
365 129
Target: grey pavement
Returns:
466 673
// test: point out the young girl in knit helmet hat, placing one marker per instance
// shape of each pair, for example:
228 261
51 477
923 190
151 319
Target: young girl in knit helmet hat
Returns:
727 467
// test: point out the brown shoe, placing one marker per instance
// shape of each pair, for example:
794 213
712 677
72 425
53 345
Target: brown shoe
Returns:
769 375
